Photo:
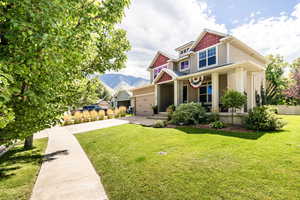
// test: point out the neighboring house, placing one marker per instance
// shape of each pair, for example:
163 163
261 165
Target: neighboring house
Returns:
122 98
202 72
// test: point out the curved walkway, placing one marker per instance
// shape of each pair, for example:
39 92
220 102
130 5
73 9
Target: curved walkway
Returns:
66 172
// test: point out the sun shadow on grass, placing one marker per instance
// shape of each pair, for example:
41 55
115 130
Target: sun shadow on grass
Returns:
243 135
19 157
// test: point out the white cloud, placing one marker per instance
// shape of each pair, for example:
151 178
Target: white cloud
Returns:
273 35
163 25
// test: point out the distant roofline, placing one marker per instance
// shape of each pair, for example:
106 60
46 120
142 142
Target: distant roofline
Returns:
184 45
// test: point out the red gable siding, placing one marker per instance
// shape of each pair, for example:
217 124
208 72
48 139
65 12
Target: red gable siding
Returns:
164 77
160 60
208 39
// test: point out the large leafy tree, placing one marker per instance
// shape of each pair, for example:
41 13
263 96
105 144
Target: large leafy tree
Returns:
47 47
293 92
276 83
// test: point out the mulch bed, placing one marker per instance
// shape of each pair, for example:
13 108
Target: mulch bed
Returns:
228 128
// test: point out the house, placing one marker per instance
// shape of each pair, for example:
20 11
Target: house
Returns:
122 97
203 70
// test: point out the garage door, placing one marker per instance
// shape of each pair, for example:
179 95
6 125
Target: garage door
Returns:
144 105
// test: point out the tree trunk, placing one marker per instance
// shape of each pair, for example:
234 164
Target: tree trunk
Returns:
28 144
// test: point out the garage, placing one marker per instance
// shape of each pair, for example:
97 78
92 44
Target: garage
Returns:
143 100
144 105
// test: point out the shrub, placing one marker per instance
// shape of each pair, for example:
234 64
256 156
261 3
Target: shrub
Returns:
170 110
110 114
94 115
217 125
213 117
116 113
234 100
263 118
101 114
122 111
86 116
189 113
159 124
67 120
77 117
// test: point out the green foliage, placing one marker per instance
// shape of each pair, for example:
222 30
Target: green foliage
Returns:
276 83
89 91
159 124
217 125
263 118
49 48
170 110
212 117
6 113
189 113
234 100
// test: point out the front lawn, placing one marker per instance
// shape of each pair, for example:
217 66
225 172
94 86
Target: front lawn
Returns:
19 169
196 164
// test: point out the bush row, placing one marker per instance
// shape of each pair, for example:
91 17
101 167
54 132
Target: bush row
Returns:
88 116
263 118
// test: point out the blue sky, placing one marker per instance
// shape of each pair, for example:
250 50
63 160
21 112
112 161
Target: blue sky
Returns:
236 12
270 27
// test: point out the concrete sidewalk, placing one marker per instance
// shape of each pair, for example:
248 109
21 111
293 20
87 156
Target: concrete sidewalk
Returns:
66 173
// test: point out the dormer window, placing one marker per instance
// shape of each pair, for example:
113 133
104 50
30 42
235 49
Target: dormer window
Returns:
184 51
207 57
184 65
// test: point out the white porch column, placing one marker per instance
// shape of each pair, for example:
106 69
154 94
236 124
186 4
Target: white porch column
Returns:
176 93
156 94
240 82
215 92
252 89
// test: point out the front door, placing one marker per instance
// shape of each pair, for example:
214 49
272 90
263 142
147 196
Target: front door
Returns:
185 94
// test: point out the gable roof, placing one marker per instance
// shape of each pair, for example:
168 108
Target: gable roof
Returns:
202 34
158 53
165 70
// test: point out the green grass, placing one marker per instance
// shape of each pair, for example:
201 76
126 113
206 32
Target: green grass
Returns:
19 169
200 164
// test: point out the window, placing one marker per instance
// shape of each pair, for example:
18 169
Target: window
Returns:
205 93
207 57
202 59
184 65
158 69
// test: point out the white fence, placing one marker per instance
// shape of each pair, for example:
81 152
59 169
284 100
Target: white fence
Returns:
288 110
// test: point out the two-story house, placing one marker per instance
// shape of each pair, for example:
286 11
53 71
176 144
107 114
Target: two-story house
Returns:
202 72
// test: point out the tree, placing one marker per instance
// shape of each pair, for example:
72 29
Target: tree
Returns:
233 100
294 88
48 47
276 83
90 91
6 113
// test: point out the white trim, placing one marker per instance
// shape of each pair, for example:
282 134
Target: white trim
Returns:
168 81
228 52
186 68
167 64
141 95
206 49
165 70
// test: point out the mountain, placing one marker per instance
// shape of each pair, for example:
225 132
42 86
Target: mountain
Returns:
115 81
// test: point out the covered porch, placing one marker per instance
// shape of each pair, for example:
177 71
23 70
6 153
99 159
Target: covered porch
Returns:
209 86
